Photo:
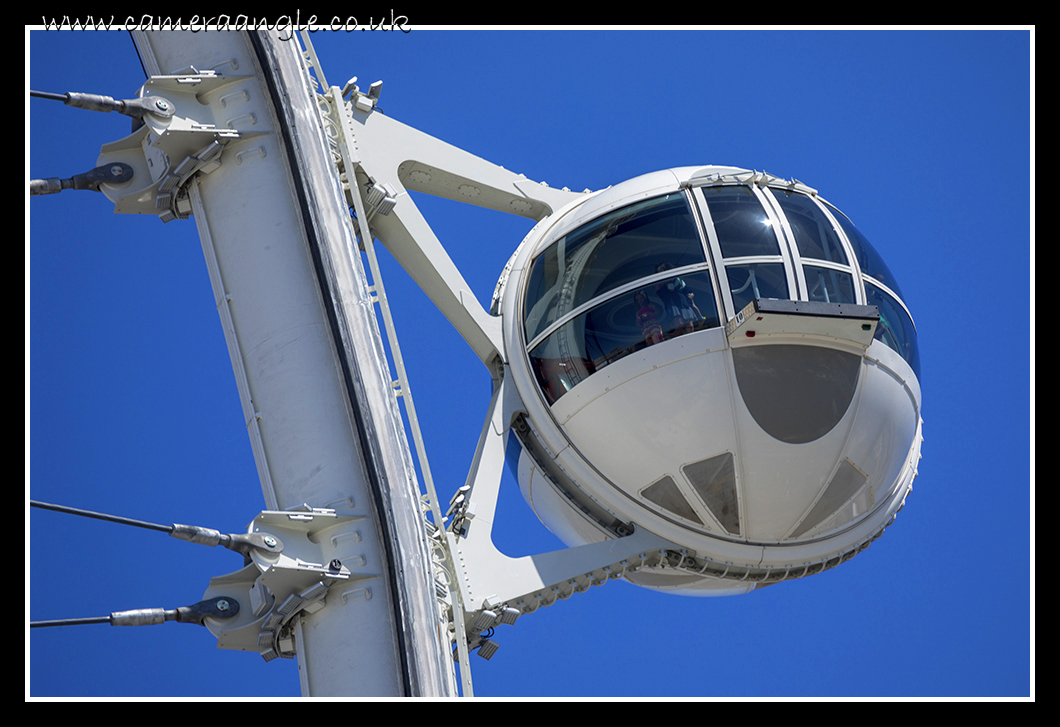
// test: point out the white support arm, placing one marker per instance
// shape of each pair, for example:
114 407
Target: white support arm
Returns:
391 153
488 578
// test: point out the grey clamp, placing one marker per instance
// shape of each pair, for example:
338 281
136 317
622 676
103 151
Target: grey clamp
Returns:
281 584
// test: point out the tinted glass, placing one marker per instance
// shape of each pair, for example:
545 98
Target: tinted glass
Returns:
796 393
618 248
814 234
829 286
895 328
870 261
742 224
714 481
666 494
761 280
625 324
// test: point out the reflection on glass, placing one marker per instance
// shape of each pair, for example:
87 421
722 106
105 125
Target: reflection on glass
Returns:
625 324
814 234
609 252
871 263
895 328
829 286
760 280
742 225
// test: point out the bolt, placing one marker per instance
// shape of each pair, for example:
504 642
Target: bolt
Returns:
161 105
115 171
270 541
335 564
223 605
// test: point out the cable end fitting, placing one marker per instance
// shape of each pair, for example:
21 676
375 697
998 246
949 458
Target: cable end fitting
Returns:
139 617
134 107
195 534
51 185
93 102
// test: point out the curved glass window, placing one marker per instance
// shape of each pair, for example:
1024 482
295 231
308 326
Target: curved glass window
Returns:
895 328
829 286
872 265
759 280
814 233
742 225
627 244
624 324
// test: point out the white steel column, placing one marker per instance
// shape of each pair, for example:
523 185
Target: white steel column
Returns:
309 364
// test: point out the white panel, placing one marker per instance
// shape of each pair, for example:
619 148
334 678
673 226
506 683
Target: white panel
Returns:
886 428
556 513
650 424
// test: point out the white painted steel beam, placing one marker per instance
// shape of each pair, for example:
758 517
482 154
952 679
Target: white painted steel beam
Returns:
309 363
393 153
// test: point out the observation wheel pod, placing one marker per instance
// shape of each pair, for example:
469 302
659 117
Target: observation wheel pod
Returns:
716 356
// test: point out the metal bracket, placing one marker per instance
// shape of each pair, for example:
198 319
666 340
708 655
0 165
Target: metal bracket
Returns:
292 576
187 125
362 101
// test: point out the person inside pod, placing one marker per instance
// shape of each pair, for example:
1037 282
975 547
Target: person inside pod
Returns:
678 303
648 318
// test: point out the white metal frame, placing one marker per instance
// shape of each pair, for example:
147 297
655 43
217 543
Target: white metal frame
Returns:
252 197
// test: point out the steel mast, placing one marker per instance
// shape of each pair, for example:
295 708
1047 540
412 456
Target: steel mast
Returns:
306 353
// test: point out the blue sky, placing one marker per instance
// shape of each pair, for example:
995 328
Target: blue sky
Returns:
924 138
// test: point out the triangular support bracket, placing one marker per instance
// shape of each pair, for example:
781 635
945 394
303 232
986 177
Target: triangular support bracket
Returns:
496 588
385 156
